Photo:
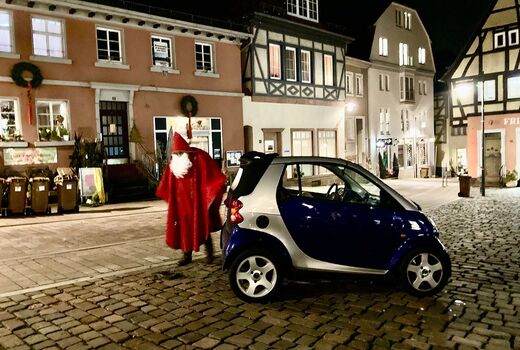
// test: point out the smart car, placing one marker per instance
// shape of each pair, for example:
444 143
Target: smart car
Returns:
292 216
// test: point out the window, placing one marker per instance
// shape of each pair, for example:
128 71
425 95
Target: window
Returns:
422 87
513 87
349 83
359 85
302 146
290 64
328 65
383 46
384 82
53 121
307 9
421 54
275 67
403 54
204 57
403 19
48 37
500 40
327 143
407 20
409 154
387 121
513 37
406 88
381 121
109 45
162 52
489 90
9 120
404 118
305 57
6 39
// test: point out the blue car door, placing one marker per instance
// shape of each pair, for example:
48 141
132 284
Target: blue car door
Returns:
358 233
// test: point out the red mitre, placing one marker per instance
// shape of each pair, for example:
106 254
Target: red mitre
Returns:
179 144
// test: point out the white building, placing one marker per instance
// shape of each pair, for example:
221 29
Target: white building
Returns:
400 92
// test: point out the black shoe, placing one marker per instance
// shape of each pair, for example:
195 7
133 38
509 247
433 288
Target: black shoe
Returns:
186 259
209 250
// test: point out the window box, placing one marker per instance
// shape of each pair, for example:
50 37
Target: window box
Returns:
14 144
53 143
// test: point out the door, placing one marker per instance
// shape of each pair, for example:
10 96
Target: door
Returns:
337 217
114 128
493 157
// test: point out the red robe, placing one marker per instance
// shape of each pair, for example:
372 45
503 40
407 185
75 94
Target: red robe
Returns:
193 202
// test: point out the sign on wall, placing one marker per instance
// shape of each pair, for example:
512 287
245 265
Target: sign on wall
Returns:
30 156
233 158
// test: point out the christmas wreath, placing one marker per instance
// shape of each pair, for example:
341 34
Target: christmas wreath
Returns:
189 105
17 74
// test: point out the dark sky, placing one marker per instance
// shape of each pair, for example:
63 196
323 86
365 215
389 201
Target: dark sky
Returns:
450 23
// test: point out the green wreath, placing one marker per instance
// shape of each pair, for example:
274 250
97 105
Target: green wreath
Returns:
17 74
189 104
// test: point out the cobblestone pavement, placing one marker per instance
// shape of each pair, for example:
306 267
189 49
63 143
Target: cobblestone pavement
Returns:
143 302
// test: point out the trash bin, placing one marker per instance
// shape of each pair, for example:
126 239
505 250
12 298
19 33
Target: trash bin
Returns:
16 194
67 183
424 172
464 185
40 195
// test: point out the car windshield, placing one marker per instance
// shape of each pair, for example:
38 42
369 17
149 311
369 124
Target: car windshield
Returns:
329 181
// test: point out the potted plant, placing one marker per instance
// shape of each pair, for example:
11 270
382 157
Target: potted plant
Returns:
64 133
511 178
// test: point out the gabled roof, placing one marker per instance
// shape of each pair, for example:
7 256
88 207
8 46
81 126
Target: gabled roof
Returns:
451 69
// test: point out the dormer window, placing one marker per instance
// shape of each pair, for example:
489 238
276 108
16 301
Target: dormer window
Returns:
307 9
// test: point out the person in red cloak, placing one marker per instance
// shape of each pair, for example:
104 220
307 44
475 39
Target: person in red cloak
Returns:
193 186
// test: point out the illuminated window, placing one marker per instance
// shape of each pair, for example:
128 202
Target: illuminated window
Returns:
305 57
48 37
6 36
327 143
10 122
275 69
489 90
421 54
383 46
53 120
290 64
162 52
403 54
307 9
513 87
328 65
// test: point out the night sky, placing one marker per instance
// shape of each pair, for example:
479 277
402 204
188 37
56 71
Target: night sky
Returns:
450 23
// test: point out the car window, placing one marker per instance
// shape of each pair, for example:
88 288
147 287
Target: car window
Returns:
329 182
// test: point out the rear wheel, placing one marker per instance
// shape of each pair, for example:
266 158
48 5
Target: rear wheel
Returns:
255 275
424 272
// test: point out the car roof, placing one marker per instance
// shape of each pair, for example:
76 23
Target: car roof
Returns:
310 159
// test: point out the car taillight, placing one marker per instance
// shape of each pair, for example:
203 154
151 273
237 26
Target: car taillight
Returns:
234 215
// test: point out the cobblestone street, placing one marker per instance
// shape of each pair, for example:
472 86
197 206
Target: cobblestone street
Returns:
106 280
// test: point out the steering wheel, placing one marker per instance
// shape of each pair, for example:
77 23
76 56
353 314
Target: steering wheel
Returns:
332 193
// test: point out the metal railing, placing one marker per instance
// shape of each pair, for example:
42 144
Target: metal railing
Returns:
146 161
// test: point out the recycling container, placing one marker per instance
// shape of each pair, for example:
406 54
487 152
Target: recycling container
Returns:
40 195
16 194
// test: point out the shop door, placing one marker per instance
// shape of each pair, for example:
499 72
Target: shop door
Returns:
114 128
493 157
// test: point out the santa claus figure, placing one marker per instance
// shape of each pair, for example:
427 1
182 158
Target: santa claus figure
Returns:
193 186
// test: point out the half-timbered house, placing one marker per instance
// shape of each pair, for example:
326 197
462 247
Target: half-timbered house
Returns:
294 80
485 94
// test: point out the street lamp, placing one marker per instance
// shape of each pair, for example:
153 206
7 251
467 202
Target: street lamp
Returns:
483 182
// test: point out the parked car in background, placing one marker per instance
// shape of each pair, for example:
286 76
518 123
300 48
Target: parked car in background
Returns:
316 214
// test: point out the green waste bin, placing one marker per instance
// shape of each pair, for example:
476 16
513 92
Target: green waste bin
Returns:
464 181
16 194
40 195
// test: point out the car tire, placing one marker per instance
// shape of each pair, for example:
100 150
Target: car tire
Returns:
424 272
255 275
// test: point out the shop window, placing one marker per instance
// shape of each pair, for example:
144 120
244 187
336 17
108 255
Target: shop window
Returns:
327 143
53 120
302 146
9 120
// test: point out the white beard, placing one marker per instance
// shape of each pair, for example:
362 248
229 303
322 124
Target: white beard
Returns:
180 165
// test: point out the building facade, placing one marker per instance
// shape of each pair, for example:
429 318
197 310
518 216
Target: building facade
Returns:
294 79
107 71
356 112
400 97
485 94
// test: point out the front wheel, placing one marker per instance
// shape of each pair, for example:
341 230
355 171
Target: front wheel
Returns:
425 273
255 275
